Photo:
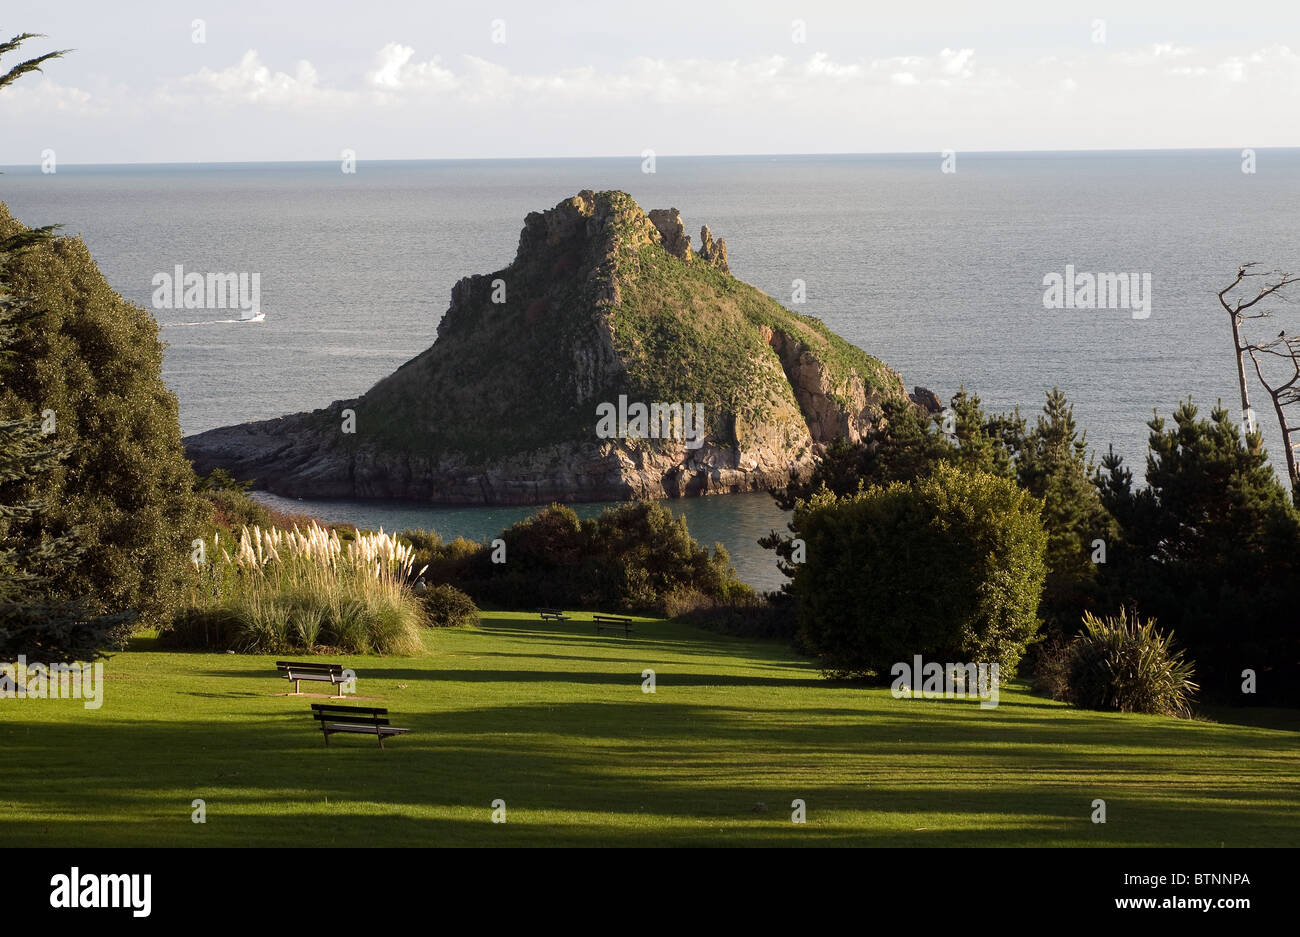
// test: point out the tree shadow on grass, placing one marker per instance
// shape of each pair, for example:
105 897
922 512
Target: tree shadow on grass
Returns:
261 777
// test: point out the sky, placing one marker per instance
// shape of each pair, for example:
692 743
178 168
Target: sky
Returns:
206 81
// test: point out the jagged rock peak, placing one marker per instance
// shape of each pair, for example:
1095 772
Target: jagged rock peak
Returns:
673 236
602 217
711 252
610 220
672 232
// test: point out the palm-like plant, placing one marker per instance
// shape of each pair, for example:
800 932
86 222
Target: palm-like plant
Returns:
31 65
1124 664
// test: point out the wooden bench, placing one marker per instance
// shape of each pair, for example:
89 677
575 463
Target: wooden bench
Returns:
552 614
323 673
610 622
354 719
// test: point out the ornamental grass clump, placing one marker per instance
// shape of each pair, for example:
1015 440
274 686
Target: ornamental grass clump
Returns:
302 590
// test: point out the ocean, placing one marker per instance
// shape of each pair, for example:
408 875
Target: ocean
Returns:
939 274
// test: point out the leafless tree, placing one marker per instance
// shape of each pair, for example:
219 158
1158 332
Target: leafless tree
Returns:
1284 390
1239 309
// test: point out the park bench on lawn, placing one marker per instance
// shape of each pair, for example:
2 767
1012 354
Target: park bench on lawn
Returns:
324 673
552 614
362 719
610 622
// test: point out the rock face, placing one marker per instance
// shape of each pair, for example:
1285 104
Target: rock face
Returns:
926 399
672 232
603 308
713 253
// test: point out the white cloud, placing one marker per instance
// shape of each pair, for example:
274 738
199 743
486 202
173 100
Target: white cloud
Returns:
955 63
44 97
250 81
1149 96
395 71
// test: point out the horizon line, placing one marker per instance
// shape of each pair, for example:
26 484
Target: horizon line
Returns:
659 156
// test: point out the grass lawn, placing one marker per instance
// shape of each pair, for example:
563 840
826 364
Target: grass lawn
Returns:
552 720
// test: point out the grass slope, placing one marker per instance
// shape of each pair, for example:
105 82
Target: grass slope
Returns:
552 719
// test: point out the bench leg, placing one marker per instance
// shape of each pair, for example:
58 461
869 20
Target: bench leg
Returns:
381 741
297 688
327 736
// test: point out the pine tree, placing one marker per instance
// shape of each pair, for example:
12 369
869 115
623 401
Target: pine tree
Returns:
1211 548
1053 465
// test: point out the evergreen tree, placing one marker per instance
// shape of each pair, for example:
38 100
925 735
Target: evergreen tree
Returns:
1211 548
1053 465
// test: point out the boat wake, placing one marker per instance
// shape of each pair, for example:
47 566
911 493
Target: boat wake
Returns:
260 317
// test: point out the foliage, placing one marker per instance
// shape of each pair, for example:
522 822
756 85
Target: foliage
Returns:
632 557
300 591
445 606
909 445
91 363
1211 548
1118 663
745 615
1053 465
1050 659
949 567
35 620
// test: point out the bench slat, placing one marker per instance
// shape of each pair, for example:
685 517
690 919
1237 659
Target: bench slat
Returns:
365 730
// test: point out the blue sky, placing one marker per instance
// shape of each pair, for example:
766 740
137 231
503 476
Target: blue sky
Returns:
290 80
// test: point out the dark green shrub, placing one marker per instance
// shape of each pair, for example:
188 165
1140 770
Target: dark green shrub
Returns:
233 510
1120 664
1050 660
213 629
741 616
446 606
949 567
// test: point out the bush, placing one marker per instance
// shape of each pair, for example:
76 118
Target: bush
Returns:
201 629
234 510
1122 665
741 616
447 607
1051 667
949 567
